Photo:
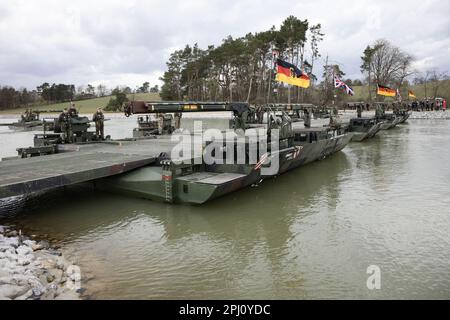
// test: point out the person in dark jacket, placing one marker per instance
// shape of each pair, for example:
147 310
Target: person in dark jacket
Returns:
99 120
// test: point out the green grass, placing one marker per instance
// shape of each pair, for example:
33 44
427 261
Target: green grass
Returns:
85 106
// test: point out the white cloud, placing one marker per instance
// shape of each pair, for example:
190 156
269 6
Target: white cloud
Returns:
128 42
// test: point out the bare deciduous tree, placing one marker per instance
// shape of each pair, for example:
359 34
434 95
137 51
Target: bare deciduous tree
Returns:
435 80
101 90
388 63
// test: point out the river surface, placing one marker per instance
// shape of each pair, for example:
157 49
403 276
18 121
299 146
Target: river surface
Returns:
310 233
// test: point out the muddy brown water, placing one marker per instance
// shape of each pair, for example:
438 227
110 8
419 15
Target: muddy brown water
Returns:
310 233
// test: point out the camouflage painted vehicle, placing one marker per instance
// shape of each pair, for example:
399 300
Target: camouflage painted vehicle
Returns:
293 110
25 125
55 133
401 112
28 120
147 127
404 115
355 105
147 169
389 120
75 131
175 182
364 128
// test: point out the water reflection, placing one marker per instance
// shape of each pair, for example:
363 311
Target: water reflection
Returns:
223 241
310 233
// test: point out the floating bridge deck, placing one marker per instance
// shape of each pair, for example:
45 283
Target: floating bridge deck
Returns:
81 163
84 163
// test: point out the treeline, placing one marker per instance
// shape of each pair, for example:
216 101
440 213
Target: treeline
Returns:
11 98
56 92
241 68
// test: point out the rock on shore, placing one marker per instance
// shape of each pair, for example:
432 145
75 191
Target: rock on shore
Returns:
32 270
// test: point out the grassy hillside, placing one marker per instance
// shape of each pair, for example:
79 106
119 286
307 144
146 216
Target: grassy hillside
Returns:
85 106
361 94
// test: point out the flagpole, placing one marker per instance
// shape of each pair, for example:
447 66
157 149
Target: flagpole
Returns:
271 76
289 94
333 75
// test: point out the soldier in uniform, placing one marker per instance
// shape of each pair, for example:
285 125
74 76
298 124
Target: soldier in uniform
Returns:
395 108
259 114
359 110
65 125
378 111
24 116
335 111
177 116
160 117
99 120
286 126
334 119
29 115
72 110
307 118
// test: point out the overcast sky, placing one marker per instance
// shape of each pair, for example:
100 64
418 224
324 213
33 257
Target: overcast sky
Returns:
127 42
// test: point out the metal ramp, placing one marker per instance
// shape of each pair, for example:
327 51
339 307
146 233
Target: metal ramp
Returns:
29 175
213 178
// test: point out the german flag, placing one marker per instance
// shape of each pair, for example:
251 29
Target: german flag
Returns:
411 94
385 91
288 73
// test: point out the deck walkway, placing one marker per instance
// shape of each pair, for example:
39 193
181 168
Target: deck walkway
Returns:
83 163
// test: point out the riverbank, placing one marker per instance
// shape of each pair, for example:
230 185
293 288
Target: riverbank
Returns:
444 115
33 270
430 115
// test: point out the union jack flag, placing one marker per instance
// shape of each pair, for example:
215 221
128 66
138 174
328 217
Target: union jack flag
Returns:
341 84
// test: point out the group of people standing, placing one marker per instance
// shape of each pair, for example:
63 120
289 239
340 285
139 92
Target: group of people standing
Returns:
29 115
416 105
428 105
65 121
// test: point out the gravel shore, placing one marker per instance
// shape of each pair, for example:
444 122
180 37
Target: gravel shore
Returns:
430 115
32 270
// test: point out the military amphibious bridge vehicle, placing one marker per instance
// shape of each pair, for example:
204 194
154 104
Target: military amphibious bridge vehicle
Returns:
361 128
27 121
198 182
147 168
364 128
390 119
